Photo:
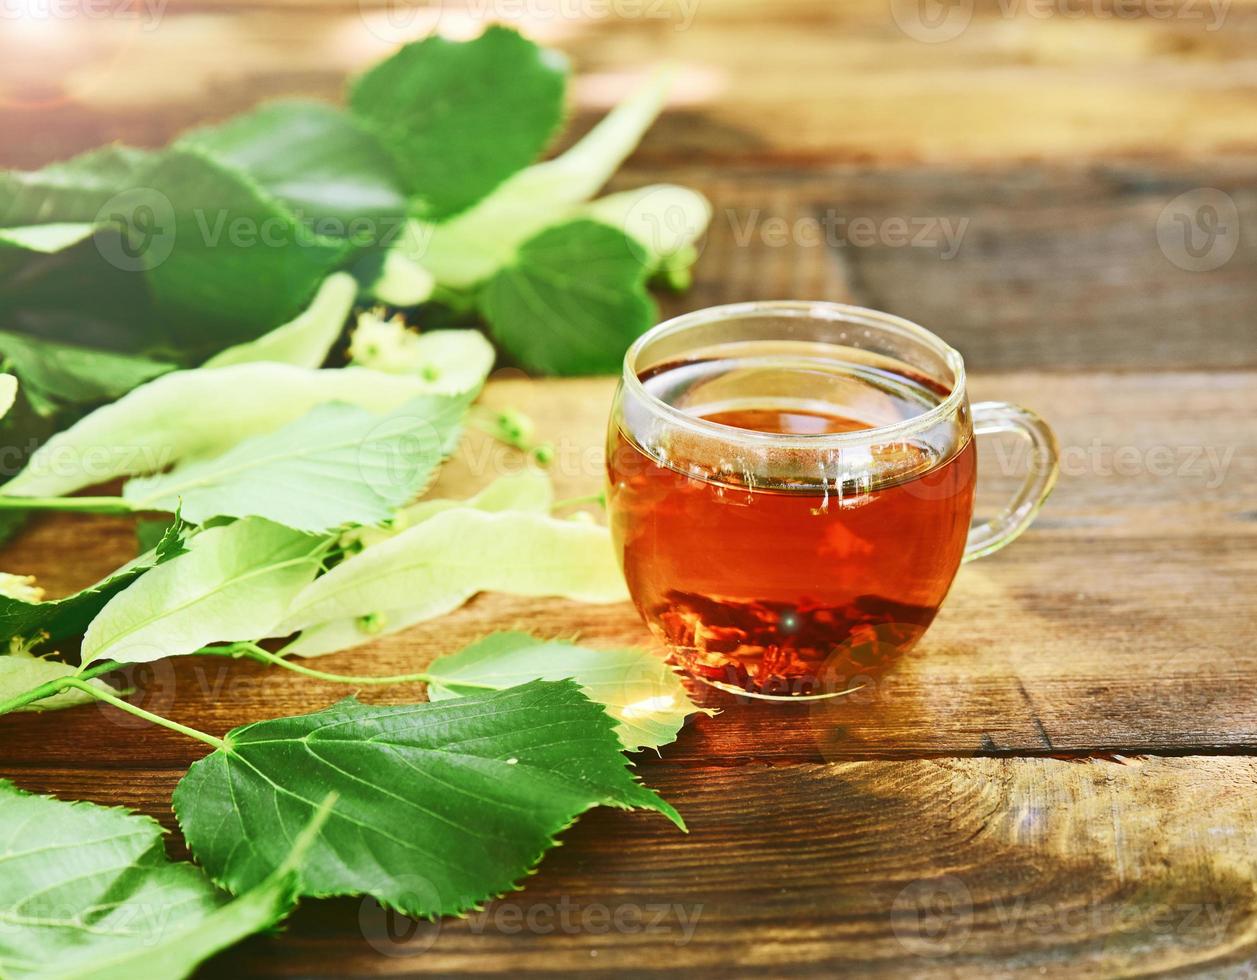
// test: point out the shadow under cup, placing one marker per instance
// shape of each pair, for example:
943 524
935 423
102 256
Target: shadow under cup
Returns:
791 488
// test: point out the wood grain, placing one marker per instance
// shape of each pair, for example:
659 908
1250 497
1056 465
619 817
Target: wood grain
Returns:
1020 82
1030 867
1077 268
926 826
1123 622
1018 188
1060 780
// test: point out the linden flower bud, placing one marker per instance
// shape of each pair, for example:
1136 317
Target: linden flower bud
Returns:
515 427
373 623
384 345
21 587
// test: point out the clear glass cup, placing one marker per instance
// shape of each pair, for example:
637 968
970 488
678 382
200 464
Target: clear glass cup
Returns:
791 485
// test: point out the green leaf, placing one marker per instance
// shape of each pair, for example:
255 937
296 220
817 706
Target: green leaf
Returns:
455 361
108 308
459 118
8 393
530 491
437 565
149 532
194 413
319 160
60 619
261 908
87 892
57 375
398 280
463 796
219 260
663 220
637 688
82 884
234 583
469 248
573 301
46 238
22 430
72 191
306 340
21 672
337 465
225 262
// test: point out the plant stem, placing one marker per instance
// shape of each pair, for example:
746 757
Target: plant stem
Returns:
594 498
48 689
265 656
139 712
85 505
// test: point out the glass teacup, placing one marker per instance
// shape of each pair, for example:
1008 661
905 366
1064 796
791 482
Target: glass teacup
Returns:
791 490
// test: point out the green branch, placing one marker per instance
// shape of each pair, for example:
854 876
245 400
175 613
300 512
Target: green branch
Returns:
82 682
139 712
265 656
83 505
55 686
594 498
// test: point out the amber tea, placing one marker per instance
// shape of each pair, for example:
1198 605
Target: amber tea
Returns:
791 583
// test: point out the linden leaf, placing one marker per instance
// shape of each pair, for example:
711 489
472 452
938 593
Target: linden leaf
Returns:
56 619
338 465
188 414
234 583
573 299
439 806
530 491
637 688
438 564
461 117
20 673
87 891
304 340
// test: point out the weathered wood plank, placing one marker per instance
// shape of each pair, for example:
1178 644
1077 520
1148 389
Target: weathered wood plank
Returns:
1078 268
1050 235
1124 621
1019 81
1024 867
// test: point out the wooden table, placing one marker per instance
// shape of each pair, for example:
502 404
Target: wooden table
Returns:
1063 779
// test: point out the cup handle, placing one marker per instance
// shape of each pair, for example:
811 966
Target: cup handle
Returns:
988 536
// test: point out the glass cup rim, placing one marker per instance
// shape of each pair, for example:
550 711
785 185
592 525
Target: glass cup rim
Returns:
801 309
